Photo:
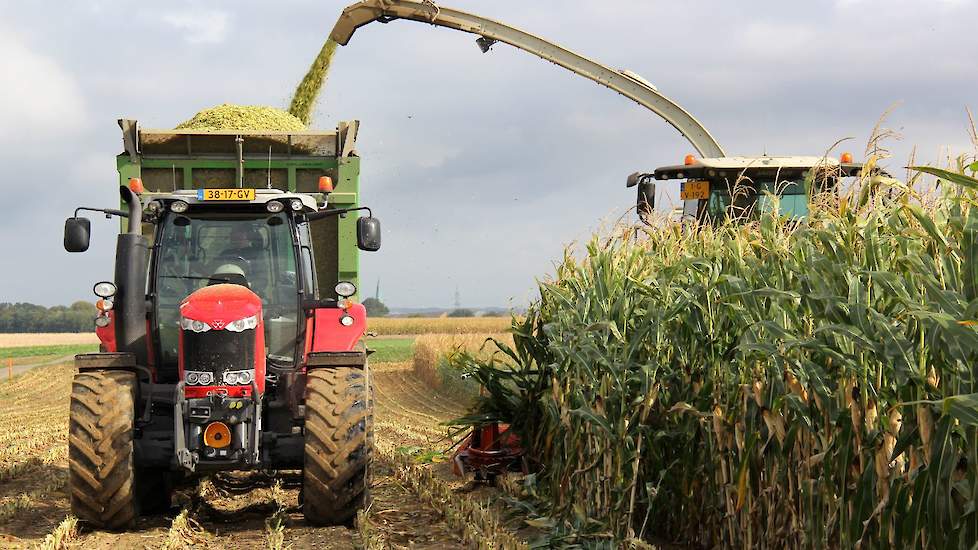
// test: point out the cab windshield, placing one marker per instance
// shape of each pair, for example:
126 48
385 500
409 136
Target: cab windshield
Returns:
195 250
787 197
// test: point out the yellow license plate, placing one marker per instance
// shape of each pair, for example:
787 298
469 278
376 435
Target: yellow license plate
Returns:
226 194
695 190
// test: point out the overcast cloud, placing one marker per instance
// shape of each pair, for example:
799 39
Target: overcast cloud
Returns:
482 166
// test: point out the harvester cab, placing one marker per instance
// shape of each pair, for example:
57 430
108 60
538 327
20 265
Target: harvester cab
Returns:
717 188
221 348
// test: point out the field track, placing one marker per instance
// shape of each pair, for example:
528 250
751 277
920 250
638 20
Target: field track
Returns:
33 498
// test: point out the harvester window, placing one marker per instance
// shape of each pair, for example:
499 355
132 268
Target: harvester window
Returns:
753 196
717 204
788 196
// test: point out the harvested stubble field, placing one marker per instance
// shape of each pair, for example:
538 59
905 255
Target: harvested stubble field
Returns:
381 326
28 339
388 326
417 503
433 362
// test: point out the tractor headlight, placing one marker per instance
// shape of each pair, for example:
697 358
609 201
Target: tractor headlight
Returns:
274 206
238 377
345 289
194 325
105 289
296 204
242 325
199 378
102 321
346 321
178 207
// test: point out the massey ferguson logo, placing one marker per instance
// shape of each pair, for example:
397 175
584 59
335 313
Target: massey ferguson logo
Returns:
218 324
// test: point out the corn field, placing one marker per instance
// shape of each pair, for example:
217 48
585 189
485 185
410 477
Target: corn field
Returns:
433 353
769 384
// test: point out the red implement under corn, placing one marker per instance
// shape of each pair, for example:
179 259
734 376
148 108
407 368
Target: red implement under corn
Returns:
489 451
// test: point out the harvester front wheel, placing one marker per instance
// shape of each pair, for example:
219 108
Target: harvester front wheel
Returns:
100 448
338 445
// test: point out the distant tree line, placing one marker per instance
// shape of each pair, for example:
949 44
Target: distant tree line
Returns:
375 308
461 312
23 317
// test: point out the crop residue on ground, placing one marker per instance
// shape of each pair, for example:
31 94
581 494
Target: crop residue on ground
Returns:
411 506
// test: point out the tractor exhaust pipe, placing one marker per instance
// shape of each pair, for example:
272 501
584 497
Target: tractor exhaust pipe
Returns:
131 255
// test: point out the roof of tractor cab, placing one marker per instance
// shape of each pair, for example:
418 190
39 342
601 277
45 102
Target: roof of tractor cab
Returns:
310 202
721 166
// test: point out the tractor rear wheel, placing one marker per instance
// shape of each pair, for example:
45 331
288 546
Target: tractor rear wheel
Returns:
338 445
102 474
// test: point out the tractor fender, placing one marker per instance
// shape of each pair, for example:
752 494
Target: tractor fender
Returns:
326 332
105 361
119 360
356 357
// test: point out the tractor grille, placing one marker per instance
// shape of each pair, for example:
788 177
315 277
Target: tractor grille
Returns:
218 351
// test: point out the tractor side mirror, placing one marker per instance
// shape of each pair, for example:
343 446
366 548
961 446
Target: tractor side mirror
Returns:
368 234
632 179
78 233
645 202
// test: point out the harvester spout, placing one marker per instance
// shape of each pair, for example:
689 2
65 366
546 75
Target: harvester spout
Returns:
489 31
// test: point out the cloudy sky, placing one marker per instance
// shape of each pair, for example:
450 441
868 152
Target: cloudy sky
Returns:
483 167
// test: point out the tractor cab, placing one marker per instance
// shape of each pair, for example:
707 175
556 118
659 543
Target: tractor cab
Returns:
260 243
714 189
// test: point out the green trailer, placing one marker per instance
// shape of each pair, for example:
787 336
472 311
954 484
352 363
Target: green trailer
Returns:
171 160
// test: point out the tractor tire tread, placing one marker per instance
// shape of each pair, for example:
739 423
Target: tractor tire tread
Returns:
101 458
338 445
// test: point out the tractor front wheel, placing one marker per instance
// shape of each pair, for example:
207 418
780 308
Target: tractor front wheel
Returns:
102 474
338 445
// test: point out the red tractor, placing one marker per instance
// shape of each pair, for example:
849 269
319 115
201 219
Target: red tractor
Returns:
218 352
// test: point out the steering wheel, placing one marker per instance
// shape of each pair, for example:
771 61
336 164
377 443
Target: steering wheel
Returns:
239 260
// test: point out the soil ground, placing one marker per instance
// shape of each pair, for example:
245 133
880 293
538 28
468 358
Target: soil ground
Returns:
415 505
